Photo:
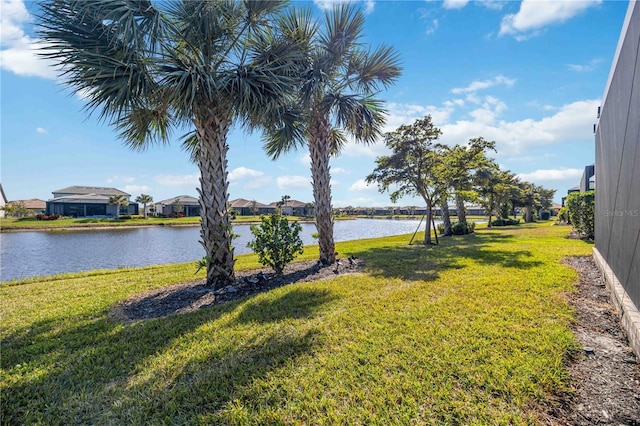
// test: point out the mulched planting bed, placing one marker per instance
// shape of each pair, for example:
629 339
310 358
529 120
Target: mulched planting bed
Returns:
605 375
188 297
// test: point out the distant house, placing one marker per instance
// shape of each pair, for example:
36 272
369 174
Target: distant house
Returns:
34 205
87 201
3 201
182 204
247 207
292 207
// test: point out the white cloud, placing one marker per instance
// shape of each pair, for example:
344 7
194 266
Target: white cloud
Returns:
485 84
293 182
551 174
124 179
432 27
42 130
18 51
369 5
362 185
244 172
248 178
571 122
454 4
534 15
589 66
305 159
178 180
338 170
137 189
400 114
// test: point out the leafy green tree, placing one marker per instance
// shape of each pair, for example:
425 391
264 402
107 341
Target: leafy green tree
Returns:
409 169
144 199
276 241
461 161
17 209
337 96
118 201
254 207
177 207
493 187
151 67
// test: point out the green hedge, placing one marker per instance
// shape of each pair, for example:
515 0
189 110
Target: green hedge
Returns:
580 209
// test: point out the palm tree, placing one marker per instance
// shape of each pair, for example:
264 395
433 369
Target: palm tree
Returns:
118 201
336 97
152 67
144 199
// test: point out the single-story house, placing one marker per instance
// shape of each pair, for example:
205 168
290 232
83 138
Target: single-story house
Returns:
182 204
34 205
250 208
87 201
293 208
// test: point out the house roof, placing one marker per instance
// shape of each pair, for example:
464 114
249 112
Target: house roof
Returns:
82 190
290 203
34 203
184 199
239 203
81 198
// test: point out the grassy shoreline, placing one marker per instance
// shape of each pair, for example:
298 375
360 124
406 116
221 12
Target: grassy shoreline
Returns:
31 224
473 331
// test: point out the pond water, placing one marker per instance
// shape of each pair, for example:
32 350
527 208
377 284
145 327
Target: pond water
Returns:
28 254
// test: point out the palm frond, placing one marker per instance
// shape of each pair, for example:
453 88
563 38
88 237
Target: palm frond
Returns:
343 30
373 69
145 126
191 145
363 117
338 141
287 131
103 50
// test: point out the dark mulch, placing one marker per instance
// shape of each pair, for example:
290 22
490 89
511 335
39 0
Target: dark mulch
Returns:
605 375
188 297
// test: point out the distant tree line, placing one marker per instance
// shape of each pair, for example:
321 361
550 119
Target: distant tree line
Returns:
420 166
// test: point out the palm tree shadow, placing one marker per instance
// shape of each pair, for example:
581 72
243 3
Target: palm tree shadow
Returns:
298 303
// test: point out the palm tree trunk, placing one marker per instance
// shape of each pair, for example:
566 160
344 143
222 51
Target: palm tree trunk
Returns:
462 214
319 150
216 234
446 219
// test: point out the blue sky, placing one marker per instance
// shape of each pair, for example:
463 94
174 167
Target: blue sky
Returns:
527 74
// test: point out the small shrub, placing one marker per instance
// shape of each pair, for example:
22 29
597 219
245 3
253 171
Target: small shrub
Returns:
505 222
276 241
461 228
48 217
563 215
458 228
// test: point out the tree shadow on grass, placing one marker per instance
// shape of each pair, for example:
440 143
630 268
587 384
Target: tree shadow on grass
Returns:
419 262
101 371
297 303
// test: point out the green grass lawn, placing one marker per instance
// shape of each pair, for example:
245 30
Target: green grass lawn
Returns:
473 331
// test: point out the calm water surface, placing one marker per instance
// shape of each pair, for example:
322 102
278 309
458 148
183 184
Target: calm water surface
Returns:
28 254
